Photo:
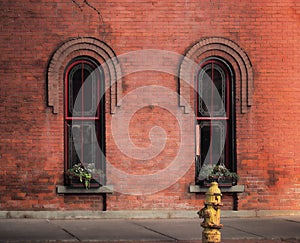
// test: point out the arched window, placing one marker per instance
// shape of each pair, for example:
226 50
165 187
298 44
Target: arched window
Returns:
215 112
84 116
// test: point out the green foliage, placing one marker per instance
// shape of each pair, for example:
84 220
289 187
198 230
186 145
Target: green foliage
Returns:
217 173
221 172
83 174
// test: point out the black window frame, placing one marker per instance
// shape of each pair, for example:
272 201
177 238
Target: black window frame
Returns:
230 116
88 120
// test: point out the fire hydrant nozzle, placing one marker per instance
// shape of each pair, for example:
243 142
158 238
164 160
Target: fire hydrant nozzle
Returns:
211 215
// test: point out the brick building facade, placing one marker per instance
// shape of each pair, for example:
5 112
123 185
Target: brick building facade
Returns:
150 55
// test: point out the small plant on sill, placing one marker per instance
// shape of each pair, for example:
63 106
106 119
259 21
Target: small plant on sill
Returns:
80 172
218 173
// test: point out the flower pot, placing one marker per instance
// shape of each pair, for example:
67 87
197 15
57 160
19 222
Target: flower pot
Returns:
222 182
74 182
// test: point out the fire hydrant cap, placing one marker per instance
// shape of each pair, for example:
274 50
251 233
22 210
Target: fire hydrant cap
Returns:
214 189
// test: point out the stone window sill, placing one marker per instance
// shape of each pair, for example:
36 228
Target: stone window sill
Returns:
67 190
236 188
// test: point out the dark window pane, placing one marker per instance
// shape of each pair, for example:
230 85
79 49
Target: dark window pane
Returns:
205 141
211 91
88 94
219 91
83 90
204 90
83 142
218 134
212 141
74 85
90 90
73 134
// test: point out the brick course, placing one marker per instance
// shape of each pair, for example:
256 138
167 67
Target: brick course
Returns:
32 141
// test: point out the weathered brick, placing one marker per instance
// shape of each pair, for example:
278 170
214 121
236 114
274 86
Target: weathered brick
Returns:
267 134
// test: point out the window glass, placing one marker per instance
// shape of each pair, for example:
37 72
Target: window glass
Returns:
212 91
83 90
215 115
84 117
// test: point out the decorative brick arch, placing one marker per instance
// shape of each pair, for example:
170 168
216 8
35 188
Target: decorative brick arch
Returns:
227 50
83 46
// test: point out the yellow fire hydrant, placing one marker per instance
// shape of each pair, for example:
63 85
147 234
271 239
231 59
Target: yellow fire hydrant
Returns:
211 215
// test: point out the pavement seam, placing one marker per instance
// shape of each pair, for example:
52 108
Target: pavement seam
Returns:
244 231
292 221
155 231
69 233
63 229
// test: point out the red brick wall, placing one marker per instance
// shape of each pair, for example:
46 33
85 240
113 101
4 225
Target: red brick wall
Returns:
31 146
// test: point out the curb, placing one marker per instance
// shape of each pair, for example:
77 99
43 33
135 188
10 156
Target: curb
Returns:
140 214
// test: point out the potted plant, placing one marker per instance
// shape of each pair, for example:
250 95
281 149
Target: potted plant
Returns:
79 176
218 173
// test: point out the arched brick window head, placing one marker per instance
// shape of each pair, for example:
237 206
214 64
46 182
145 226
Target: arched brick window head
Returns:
226 50
82 46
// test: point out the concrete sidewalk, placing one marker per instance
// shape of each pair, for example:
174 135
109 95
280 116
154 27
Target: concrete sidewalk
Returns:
263 230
